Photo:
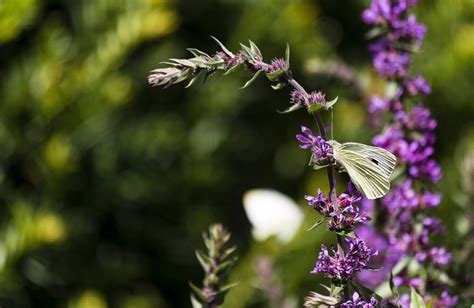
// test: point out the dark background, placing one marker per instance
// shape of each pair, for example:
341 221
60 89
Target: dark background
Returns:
107 183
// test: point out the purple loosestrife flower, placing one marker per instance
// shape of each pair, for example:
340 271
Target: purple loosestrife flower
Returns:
417 85
306 100
358 302
346 216
321 149
445 300
337 267
391 63
297 97
277 64
436 255
409 28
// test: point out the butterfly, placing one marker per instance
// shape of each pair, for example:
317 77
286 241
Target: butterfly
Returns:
368 167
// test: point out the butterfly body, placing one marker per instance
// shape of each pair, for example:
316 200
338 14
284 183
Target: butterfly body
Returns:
368 167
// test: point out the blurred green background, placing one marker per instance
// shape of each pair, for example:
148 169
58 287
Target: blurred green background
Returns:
107 183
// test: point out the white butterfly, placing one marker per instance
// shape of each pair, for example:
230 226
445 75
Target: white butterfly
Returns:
272 213
368 167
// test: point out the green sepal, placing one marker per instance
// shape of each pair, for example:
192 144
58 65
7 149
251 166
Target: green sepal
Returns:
291 109
316 224
329 104
416 301
224 49
287 56
314 108
273 76
254 77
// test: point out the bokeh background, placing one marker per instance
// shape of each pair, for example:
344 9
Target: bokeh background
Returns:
107 183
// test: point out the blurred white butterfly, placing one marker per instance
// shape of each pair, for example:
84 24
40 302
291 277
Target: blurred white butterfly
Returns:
272 213
368 167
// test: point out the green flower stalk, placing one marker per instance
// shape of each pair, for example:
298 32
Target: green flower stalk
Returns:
216 264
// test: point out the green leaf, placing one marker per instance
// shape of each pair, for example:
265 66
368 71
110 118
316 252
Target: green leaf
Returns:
193 80
254 77
316 224
416 301
431 302
335 290
198 53
291 109
317 167
255 49
375 32
273 76
347 233
402 264
203 260
247 52
231 70
287 56
314 108
198 292
329 104
279 86
393 288
224 49
195 303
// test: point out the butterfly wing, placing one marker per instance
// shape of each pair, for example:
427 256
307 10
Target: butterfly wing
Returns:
368 168
381 157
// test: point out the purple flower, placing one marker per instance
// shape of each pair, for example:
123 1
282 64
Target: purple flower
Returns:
343 217
320 148
417 85
348 219
378 105
321 204
414 282
358 302
379 12
316 97
436 255
342 268
277 64
391 63
300 98
409 28
297 97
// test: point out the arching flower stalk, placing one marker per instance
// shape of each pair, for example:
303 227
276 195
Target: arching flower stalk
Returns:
341 212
